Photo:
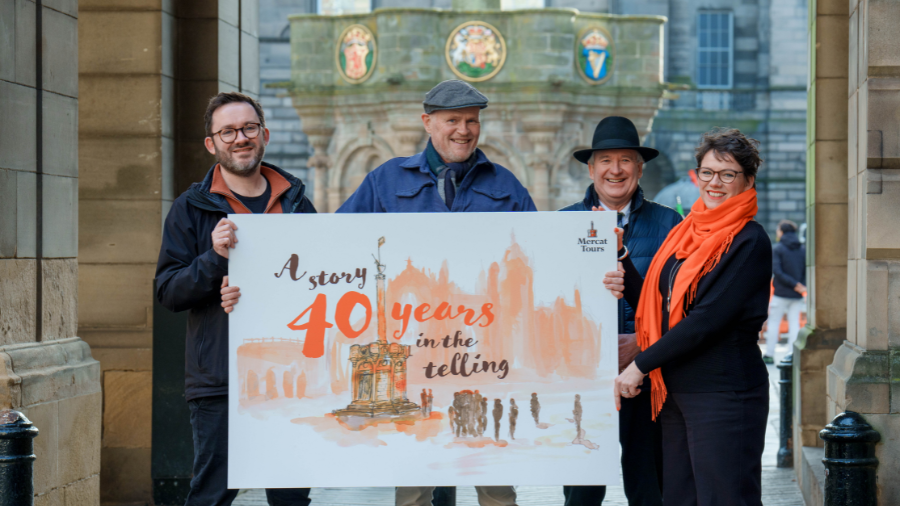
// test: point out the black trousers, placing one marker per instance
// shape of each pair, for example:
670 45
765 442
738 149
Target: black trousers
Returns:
209 421
642 469
712 447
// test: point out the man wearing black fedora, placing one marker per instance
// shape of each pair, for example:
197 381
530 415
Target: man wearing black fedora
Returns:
615 163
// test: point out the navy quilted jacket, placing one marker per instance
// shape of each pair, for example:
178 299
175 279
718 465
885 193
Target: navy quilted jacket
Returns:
647 228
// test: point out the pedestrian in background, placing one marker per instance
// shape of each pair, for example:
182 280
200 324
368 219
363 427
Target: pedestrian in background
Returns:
789 280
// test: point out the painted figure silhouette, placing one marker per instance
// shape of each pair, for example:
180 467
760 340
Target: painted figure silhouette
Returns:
513 415
451 414
479 430
498 414
535 409
460 414
577 412
482 422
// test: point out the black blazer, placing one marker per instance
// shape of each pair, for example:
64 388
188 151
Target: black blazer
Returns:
714 347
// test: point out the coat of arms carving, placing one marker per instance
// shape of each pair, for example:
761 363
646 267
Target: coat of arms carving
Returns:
594 55
356 54
475 51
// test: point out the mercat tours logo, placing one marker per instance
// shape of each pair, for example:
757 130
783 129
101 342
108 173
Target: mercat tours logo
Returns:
591 244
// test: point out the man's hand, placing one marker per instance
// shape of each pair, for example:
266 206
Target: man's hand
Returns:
615 282
230 295
800 288
223 237
628 384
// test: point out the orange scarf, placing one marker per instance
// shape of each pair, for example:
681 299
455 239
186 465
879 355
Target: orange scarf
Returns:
702 238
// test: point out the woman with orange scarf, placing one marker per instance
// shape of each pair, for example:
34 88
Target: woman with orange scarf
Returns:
699 312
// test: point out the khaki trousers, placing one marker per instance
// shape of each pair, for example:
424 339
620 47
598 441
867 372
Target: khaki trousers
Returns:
487 496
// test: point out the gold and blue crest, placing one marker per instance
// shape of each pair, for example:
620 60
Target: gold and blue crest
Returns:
594 54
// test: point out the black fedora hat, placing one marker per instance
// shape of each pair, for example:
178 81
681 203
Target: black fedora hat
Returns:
616 132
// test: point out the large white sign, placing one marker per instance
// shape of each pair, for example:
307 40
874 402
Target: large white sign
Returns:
422 349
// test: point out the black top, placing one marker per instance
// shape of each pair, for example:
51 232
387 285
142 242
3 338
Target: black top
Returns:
257 205
714 347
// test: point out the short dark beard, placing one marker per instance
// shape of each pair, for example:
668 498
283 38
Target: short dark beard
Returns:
228 163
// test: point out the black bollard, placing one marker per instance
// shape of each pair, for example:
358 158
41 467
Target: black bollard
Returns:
849 461
16 459
786 448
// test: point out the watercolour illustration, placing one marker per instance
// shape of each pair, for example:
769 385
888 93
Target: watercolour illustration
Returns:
483 352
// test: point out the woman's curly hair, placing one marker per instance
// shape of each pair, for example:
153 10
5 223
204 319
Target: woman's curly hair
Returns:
731 143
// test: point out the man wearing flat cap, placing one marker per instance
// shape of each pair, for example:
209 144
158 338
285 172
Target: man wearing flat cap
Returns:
451 175
615 163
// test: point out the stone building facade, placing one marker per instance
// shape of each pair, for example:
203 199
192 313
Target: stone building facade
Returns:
764 96
848 357
46 370
101 104
541 110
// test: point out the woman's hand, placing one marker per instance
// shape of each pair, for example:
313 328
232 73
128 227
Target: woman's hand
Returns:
628 384
230 295
615 282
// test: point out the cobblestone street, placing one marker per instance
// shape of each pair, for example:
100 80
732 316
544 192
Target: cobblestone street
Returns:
779 486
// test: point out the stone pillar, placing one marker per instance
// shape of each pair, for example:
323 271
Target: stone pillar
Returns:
541 136
45 370
864 376
827 233
146 74
319 129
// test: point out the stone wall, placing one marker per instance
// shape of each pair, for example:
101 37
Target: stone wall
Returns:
147 71
864 374
45 370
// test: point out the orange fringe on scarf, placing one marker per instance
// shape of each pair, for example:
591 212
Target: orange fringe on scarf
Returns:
700 240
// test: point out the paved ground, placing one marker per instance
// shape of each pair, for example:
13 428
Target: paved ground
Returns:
779 486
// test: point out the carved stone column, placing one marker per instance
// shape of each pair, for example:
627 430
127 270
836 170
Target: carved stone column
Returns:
318 126
541 135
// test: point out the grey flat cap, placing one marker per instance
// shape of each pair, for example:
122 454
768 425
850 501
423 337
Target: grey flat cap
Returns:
453 94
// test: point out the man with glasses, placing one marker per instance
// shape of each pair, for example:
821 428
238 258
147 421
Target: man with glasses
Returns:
193 266
615 163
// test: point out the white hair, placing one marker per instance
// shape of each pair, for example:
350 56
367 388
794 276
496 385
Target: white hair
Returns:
640 159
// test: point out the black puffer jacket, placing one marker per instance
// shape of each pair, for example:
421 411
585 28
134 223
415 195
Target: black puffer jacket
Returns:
189 276
788 265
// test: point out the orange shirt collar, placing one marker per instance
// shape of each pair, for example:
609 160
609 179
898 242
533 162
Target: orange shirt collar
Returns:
277 182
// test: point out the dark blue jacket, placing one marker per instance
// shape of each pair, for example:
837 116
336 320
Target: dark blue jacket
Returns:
788 266
648 225
189 276
407 185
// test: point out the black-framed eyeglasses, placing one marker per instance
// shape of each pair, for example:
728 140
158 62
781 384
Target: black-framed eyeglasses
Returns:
707 175
228 135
